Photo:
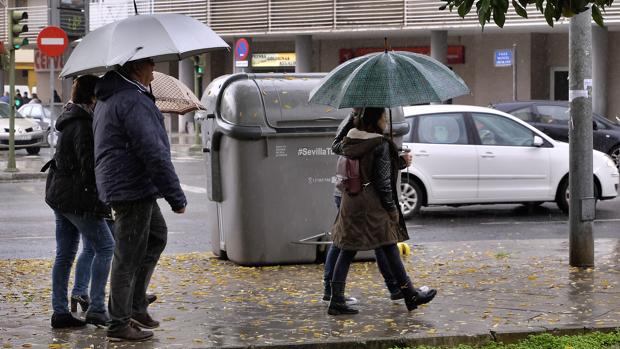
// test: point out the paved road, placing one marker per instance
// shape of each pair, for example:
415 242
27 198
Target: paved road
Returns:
27 225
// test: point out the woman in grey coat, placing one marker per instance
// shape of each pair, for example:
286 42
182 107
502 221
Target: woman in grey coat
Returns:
371 219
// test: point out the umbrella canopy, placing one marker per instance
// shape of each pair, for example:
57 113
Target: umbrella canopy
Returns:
388 79
163 37
173 96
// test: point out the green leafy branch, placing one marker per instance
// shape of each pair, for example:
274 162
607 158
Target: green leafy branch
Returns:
553 10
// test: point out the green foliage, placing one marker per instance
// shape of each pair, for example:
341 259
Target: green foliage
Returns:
553 10
595 340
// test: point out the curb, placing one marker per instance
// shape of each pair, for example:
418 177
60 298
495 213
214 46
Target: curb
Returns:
507 337
22 176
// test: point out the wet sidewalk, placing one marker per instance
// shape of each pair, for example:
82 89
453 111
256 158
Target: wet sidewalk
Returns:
487 290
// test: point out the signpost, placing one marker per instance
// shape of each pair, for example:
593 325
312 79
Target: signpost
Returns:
52 41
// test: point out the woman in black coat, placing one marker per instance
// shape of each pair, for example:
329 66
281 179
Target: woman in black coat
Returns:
72 193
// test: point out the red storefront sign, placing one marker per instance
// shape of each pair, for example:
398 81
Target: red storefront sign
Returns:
42 62
456 54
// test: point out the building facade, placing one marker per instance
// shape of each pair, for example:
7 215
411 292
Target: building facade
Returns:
317 35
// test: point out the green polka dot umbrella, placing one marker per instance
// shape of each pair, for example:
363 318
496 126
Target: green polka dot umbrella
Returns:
388 79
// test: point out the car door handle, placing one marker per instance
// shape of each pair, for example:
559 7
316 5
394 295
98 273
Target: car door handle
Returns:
421 153
488 155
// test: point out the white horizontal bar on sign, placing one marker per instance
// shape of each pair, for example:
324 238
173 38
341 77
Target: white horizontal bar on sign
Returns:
52 41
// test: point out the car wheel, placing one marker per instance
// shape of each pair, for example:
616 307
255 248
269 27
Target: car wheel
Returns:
33 150
563 195
411 197
614 153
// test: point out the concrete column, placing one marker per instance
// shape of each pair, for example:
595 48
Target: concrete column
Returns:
242 65
303 53
439 49
439 45
186 76
599 70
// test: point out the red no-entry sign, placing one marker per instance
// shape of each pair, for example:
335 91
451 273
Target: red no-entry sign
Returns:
52 41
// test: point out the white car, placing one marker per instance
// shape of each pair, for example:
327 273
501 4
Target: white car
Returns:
473 155
43 116
28 133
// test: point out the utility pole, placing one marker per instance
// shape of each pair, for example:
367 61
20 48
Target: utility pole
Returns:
581 182
15 28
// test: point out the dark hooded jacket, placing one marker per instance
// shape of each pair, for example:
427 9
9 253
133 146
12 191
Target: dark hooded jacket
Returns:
70 186
132 153
371 218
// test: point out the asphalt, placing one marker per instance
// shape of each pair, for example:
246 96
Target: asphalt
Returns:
28 167
488 291
499 290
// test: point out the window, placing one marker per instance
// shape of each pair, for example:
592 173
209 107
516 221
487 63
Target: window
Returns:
553 114
524 114
442 129
498 130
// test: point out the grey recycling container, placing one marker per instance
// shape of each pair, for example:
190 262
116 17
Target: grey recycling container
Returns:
270 171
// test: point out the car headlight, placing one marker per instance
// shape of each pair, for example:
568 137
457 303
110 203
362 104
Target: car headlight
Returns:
37 127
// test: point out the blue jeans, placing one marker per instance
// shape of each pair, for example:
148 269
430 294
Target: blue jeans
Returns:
96 233
332 256
84 265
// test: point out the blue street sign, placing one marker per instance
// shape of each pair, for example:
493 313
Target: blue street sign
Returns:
503 58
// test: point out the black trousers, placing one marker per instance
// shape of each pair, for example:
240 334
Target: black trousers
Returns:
392 256
141 234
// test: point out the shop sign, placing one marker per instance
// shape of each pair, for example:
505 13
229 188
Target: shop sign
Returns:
455 54
503 58
42 62
273 60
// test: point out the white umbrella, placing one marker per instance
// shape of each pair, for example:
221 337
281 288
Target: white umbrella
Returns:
163 37
173 96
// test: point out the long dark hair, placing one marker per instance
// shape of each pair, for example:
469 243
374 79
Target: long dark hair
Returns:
369 120
83 90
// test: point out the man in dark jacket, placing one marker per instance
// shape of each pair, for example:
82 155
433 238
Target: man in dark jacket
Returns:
133 169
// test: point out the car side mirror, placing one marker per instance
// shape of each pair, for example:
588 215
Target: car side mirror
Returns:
538 142
594 126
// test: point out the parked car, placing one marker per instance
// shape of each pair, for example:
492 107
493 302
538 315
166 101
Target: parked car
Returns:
43 116
473 155
552 117
28 133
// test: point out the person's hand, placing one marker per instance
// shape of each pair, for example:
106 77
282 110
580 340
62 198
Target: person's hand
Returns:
408 158
180 211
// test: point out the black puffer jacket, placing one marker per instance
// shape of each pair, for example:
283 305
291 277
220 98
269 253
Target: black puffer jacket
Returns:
71 186
382 167
132 151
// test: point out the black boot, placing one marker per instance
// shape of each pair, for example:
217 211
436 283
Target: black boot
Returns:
337 303
415 297
66 320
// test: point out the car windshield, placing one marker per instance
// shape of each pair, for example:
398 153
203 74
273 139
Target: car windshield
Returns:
4 111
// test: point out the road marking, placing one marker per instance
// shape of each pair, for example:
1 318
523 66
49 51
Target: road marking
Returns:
29 238
192 189
52 237
548 222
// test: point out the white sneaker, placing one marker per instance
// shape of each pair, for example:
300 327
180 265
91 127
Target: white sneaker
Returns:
348 300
